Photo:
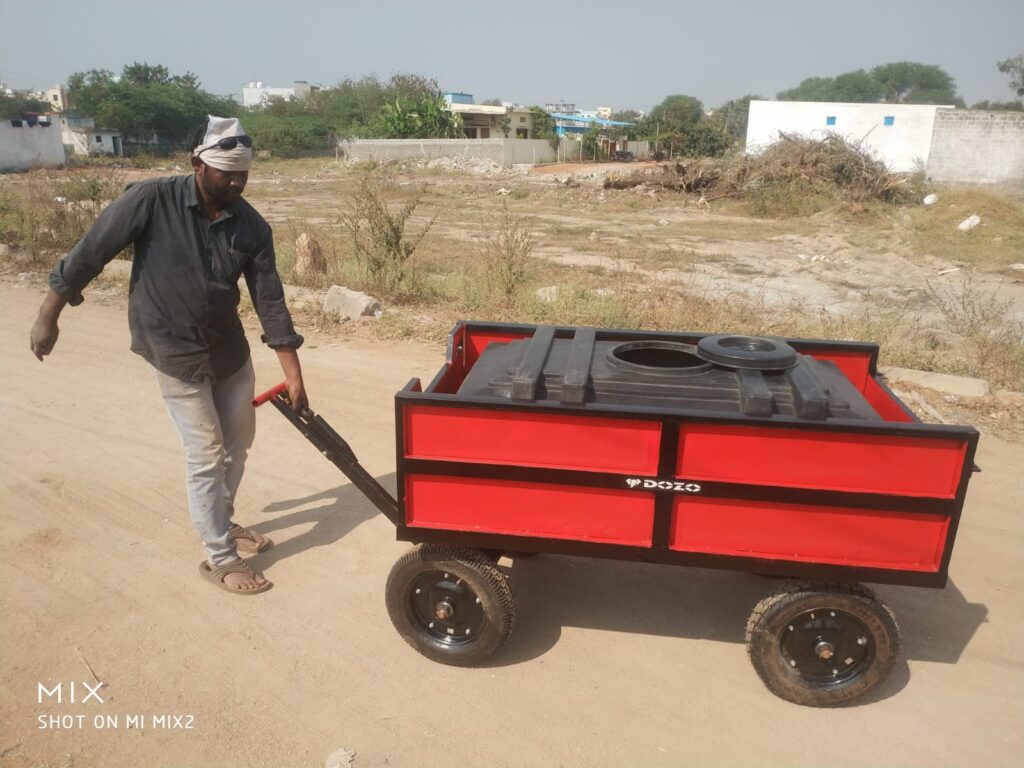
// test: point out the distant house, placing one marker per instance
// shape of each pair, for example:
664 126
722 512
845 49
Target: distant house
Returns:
28 142
485 121
900 135
257 93
57 98
81 137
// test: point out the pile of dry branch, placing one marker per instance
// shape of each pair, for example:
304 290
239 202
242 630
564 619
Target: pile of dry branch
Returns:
831 167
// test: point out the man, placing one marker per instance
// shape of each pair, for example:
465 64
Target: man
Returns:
194 236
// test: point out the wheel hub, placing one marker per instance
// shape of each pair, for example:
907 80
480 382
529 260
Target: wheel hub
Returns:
826 647
445 607
825 650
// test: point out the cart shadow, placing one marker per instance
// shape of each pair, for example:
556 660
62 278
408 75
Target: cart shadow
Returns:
553 592
337 513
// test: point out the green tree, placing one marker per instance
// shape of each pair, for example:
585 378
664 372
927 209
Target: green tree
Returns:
1014 67
146 100
626 116
901 82
909 82
810 89
592 144
733 115
857 86
705 139
544 126
18 105
1003 106
676 113
420 117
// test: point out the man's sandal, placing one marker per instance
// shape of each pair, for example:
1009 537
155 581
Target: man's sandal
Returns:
247 541
216 576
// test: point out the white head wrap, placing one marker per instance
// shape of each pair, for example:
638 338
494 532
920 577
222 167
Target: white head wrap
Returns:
217 128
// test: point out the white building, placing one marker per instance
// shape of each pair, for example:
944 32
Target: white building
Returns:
484 121
81 136
31 142
57 97
257 93
900 135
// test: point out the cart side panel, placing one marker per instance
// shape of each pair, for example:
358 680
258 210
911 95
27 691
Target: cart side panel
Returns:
531 439
825 460
529 509
855 364
809 533
884 402
465 345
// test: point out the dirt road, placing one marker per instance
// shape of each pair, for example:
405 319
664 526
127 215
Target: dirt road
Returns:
611 664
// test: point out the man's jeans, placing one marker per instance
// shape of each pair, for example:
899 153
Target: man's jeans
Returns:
217 424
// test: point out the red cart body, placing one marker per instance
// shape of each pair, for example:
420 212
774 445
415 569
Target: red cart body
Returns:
874 501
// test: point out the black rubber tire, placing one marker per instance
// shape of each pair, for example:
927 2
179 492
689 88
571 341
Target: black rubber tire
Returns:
480 576
772 618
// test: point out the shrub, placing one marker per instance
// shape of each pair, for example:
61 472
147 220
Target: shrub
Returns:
509 245
379 238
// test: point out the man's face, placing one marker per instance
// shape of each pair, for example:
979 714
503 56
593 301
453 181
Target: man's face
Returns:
220 187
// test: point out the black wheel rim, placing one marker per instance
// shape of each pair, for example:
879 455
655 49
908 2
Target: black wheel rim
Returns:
444 607
827 647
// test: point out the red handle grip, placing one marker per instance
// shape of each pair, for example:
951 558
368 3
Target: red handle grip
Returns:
270 394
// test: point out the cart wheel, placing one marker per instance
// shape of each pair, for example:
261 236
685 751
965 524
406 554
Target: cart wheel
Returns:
451 604
822 644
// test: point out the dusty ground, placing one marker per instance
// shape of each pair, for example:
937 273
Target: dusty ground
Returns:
611 664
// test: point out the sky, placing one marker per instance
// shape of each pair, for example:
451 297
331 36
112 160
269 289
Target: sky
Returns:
625 55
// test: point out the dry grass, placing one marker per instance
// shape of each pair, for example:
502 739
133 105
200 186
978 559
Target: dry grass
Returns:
998 240
487 255
46 213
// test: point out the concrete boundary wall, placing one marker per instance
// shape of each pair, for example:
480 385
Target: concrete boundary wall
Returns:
25 147
978 146
504 152
384 150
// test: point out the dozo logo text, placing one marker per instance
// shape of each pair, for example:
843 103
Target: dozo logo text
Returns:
679 486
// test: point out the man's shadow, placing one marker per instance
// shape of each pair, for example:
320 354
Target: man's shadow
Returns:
339 511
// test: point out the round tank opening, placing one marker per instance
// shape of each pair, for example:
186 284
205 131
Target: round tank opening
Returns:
656 357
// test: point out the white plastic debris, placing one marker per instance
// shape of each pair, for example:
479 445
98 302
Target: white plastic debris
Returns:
931 199
504 191
969 223
1019 266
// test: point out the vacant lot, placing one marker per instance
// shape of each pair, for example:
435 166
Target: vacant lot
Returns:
610 664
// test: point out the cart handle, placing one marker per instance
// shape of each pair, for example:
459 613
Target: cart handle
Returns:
270 394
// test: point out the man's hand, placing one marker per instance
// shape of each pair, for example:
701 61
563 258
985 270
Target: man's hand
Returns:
289 360
297 394
44 333
43 337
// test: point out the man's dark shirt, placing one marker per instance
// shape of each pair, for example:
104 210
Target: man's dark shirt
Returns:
183 296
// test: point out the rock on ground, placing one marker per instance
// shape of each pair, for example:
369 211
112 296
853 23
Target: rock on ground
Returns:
350 304
309 259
